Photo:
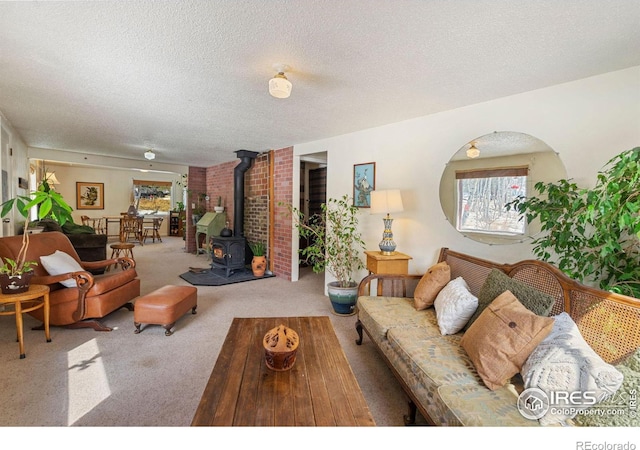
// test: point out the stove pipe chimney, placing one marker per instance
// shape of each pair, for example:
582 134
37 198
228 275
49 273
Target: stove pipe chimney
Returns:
246 159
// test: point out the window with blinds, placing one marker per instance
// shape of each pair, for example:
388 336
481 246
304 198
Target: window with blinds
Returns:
481 198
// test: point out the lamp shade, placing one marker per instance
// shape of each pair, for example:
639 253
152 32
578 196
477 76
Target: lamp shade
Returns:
51 178
279 86
385 202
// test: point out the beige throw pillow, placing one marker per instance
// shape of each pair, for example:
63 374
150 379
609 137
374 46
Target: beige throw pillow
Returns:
431 283
502 338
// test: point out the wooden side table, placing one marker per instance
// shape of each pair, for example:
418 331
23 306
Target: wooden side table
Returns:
36 297
396 264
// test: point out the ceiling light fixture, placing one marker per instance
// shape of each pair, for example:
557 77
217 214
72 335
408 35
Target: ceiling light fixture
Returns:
473 152
149 155
279 86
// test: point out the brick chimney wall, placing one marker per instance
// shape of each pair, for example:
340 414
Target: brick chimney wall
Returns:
218 181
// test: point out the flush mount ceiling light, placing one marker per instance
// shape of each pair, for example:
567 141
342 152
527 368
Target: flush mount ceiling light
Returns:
473 152
149 155
279 86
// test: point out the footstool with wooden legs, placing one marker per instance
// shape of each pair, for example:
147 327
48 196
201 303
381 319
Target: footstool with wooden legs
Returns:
164 306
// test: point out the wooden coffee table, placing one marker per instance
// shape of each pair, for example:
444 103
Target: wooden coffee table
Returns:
319 390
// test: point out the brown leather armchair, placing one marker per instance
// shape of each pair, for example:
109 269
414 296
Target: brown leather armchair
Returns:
96 295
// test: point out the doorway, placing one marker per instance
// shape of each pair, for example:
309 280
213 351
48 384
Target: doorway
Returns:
313 189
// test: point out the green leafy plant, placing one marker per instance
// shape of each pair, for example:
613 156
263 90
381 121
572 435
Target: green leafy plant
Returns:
257 248
50 204
335 244
592 235
10 267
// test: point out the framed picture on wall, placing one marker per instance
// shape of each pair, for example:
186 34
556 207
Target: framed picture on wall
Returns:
364 181
89 195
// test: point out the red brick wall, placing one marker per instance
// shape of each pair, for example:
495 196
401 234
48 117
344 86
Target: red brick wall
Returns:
283 192
220 184
196 184
218 181
256 202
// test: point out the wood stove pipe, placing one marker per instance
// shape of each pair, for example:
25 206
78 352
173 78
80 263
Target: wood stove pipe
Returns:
246 159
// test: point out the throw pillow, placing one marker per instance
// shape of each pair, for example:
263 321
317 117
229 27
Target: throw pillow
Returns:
434 279
59 263
497 282
564 362
633 361
454 305
615 411
501 339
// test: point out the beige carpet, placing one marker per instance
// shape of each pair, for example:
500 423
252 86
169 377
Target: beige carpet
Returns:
118 378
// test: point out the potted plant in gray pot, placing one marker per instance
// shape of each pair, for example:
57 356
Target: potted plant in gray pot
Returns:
335 245
16 274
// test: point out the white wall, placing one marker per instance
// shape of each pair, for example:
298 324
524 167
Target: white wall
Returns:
587 122
17 167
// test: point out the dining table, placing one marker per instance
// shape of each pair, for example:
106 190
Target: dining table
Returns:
120 233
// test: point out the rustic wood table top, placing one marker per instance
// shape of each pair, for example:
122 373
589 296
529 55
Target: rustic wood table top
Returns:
319 390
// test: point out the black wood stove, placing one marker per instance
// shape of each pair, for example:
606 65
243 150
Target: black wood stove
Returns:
232 253
228 253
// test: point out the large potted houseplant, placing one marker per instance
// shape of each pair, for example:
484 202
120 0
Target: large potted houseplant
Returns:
16 274
592 235
335 245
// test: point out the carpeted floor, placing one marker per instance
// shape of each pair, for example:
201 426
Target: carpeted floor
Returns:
121 379
218 277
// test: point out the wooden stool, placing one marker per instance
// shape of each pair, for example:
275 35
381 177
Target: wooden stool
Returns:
121 249
165 306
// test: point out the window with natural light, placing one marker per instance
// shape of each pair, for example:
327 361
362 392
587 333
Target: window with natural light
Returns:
482 196
152 197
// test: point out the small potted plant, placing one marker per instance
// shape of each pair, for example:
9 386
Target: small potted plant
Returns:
335 245
259 261
16 274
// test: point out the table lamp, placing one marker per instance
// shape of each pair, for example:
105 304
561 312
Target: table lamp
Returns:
382 202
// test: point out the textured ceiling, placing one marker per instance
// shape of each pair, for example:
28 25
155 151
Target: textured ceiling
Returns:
189 78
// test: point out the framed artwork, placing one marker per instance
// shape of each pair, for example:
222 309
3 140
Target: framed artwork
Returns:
364 181
89 195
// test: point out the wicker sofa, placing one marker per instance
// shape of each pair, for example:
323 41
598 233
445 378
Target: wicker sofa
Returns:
438 375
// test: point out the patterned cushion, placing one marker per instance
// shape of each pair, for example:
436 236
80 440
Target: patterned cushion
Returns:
497 282
474 405
502 338
435 278
565 362
436 360
378 314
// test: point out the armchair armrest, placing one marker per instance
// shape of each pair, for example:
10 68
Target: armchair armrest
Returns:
124 261
84 282
83 279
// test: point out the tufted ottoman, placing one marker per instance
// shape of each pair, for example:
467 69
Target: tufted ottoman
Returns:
165 306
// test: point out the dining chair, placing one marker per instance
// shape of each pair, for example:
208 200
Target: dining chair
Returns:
154 229
95 223
131 227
